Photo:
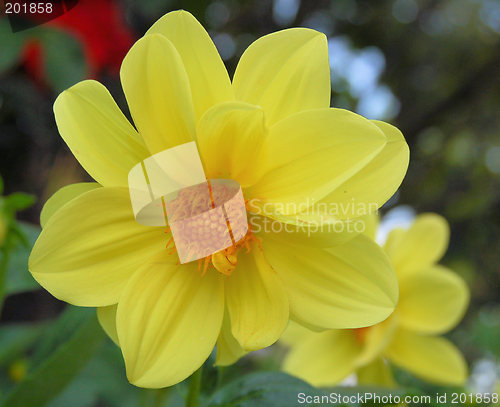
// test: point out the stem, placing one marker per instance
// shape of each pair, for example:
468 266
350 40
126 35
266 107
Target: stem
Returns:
160 396
3 275
220 374
194 388
144 398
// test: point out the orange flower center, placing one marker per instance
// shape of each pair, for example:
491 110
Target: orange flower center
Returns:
198 233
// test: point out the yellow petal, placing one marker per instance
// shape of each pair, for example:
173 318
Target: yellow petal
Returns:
228 348
348 286
256 302
432 301
158 93
422 245
168 321
97 133
393 239
371 223
91 246
294 334
107 319
376 339
376 182
285 72
309 154
324 358
62 197
229 139
431 358
377 373
207 74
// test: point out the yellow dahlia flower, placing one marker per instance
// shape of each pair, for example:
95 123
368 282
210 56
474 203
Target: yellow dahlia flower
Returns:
432 300
271 129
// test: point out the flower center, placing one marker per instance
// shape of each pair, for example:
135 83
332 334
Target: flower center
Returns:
210 218
226 260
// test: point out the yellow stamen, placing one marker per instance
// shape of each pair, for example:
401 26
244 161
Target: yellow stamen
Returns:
170 241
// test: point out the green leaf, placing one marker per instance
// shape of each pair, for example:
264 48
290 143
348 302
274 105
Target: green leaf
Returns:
60 331
11 45
19 201
486 329
64 59
262 389
56 372
102 380
18 277
15 339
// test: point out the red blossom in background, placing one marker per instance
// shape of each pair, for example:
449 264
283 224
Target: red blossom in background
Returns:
99 26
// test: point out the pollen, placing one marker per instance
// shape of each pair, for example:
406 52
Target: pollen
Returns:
226 260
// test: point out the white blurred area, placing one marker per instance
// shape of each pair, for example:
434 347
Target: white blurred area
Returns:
485 374
399 217
361 69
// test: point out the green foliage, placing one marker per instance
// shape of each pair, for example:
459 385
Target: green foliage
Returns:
486 330
102 379
18 201
64 61
59 368
18 279
15 339
261 389
59 332
11 46
15 244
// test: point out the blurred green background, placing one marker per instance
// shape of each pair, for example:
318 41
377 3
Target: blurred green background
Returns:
431 67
